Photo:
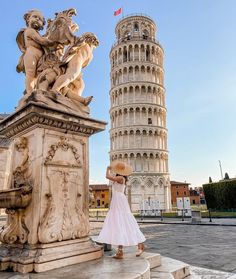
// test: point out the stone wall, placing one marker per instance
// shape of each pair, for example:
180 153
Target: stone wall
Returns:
3 160
5 157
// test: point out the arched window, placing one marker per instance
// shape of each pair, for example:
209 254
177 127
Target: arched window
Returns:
136 28
138 163
125 55
145 34
148 53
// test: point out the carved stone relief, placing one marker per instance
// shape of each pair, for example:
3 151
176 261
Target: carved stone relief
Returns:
21 173
17 230
16 199
63 217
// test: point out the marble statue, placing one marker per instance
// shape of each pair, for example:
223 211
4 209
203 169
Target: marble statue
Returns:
53 62
47 194
30 43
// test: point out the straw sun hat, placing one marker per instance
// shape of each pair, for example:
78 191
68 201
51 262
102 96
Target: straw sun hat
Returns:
121 168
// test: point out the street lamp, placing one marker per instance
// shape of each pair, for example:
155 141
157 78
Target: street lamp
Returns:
221 170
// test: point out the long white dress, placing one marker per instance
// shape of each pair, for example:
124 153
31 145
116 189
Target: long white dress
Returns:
120 227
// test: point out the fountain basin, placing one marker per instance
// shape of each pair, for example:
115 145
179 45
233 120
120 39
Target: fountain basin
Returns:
16 198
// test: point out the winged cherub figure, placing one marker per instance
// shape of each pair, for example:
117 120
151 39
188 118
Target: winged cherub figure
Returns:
31 43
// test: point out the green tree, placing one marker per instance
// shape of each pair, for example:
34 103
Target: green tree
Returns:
226 176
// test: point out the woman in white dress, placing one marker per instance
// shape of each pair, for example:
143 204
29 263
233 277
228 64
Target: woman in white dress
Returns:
120 227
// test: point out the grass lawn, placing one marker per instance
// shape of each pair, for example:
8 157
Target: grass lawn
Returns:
205 213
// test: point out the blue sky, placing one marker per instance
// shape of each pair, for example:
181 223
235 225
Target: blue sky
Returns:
199 39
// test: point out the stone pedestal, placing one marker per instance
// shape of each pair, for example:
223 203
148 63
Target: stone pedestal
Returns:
196 216
48 221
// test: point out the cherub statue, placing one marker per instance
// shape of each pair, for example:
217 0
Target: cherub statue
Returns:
53 62
30 43
70 82
76 57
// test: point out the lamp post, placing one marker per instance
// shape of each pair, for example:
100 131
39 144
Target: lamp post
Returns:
221 170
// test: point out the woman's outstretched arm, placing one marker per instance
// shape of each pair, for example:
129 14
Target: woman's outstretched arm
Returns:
118 179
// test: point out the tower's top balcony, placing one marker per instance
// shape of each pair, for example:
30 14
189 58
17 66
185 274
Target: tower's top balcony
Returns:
135 26
135 38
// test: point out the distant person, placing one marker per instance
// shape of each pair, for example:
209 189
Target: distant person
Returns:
120 227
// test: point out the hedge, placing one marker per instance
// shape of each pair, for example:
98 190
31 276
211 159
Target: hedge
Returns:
221 195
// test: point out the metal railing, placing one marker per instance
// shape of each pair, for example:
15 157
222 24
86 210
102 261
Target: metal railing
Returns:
96 214
136 38
151 213
135 14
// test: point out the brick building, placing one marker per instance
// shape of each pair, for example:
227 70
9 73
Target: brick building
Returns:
181 190
197 196
101 194
194 196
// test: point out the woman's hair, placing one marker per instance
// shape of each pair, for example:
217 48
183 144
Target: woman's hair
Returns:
125 177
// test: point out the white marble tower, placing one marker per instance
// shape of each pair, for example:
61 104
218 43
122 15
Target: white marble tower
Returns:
138 133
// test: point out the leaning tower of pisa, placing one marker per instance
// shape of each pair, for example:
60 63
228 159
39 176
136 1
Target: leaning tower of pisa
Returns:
138 133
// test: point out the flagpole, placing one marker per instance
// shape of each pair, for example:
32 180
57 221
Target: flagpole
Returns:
122 11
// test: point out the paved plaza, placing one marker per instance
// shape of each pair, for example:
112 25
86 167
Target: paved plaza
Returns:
212 247
207 246
204 246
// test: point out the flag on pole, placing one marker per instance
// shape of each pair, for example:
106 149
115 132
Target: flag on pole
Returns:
117 12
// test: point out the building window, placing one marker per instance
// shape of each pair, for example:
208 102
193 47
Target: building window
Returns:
149 120
103 196
184 193
103 202
125 56
145 34
194 202
98 202
136 26
177 193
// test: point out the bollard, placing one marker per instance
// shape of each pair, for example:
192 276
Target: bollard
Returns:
182 214
196 216
141 213
161 215
209 210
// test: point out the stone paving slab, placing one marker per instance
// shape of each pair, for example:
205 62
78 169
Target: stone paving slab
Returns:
161 275
177 269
